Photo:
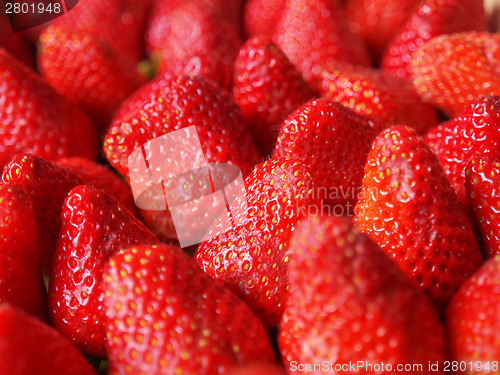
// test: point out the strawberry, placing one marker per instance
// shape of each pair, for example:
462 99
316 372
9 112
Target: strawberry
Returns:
103 178
20 277
333 141
258 368
47 185
314 35
379 94
181 30
94 227
251 257
28 346
173 103
36 119
472 323
409 208
452 71
429 20
85 69
267 87
118 23
482 178
345 303
377 21
167 316
475 131
262 16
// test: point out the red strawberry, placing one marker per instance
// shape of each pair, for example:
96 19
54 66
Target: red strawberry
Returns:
475 131
452 71
167 316
409 208
334 142
377 21
103 178
94 227
47 185
119 23
345 303
36 119
379 94
173 103
472 324
85 69
262 16
20 277
28 346
251 257
258 368
314 35
267 87
482 181
431 19
181 30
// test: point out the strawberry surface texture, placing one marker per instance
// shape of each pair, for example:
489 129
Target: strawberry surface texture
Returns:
250 187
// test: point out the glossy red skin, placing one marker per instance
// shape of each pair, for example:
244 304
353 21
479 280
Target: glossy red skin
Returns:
429 20
36 119
251 258
181 30
379 94
87 71
409 208
172 103
123 27
164 314
346 300
21 282
28 346
439 68
47 186
260 17
94 227
333 141
472 323
482 177
98 176
267 87
377 21
474 132
315 35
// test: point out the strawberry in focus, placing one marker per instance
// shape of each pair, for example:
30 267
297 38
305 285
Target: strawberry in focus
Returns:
251 257
409 208
333 141
94 227
482 180
474 132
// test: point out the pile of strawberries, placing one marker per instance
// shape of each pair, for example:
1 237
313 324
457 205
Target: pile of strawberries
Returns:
368 239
